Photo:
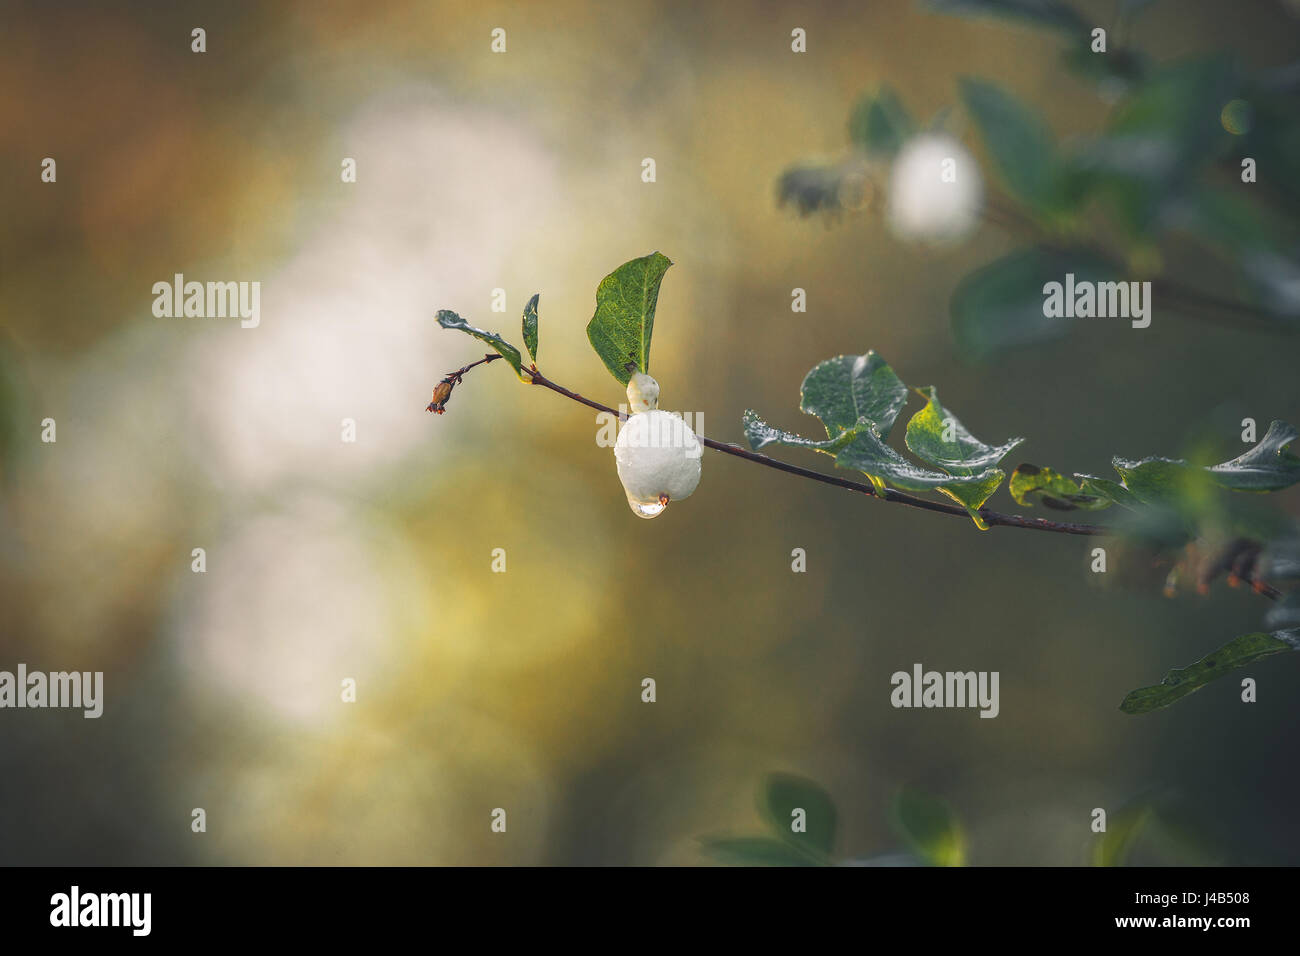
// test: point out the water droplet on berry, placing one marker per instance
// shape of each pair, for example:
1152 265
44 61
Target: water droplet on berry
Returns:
651 510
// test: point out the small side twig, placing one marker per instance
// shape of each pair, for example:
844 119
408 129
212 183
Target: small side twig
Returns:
442 391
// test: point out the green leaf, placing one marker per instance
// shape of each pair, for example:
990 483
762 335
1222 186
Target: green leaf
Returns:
620 329
879 123
760 434
1266 467
936 436
784 793
530 326
1156 481
1186 488
1178 108
1108 488
871 456
1001 305
1019 142
858 398
1180 682
450 320
1029 483
753 851
1043 13
848 389
1122 831
972 495
1158 142
930 828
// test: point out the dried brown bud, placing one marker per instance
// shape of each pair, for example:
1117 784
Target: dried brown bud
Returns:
441 392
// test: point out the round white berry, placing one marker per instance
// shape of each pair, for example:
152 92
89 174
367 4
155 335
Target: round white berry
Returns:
935 189
658 457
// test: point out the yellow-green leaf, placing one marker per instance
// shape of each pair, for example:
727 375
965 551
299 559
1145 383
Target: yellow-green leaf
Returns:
1029 483
530 326
450 320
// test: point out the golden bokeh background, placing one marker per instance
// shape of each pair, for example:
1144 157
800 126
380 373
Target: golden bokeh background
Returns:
476 690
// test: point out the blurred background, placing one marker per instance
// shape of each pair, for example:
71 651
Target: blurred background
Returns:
371 560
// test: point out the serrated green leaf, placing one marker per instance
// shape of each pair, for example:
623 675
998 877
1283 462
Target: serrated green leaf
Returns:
782 795
621 327
1001 305
1156 481
1151 475
880 123
858 398
936 436
1108 488
1266 467
1187 488
760 434
930 828
1019 143
753 851
1044 13
530 326
1029 483
450 320
973 495
848 389
871 456
1180 682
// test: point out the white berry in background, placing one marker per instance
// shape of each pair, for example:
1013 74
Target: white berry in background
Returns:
657 453
935 189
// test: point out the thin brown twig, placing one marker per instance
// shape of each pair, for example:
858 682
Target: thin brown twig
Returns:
991 518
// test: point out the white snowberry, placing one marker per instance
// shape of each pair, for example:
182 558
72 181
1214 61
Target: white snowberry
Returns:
657 453
935 189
